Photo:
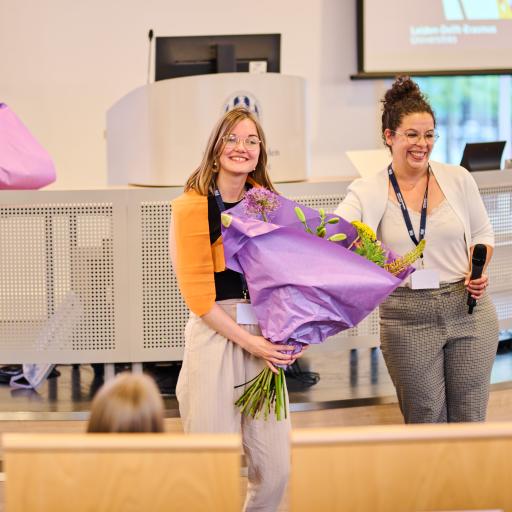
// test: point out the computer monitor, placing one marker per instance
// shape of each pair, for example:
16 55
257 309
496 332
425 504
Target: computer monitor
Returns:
483 156
201 55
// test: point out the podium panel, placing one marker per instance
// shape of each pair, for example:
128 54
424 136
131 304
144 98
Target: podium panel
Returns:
157 133
86 277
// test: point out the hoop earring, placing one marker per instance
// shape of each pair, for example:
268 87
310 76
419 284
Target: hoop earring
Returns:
215 166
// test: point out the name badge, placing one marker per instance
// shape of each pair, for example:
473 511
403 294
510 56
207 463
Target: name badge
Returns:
424 279
245 314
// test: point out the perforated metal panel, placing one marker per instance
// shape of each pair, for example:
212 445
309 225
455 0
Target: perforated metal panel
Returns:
56 269
498 202
86 276
328 202
164 313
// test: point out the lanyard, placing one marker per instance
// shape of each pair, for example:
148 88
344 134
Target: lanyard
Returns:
403 207
222 208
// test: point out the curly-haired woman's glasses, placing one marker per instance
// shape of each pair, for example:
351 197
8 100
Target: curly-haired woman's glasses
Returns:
414 137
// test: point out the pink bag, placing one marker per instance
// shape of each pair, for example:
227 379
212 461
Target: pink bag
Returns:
24 164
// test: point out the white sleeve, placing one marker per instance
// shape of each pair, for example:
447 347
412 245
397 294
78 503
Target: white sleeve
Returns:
350 208
479 222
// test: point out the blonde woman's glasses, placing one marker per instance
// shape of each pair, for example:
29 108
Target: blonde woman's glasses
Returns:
413 137
250 143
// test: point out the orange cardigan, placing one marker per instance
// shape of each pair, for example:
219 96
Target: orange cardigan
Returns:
196 259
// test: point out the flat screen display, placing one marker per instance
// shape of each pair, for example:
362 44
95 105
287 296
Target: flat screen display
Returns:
483 156
201 55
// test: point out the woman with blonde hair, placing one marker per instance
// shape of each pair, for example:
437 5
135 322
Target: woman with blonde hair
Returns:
128 403
223 349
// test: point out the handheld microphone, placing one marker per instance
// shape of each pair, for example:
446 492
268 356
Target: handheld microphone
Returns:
150 37
477 267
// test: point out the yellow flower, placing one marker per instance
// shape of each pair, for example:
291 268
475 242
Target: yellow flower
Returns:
363 230
400 264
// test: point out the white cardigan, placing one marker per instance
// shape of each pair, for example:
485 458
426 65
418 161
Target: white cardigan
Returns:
367 198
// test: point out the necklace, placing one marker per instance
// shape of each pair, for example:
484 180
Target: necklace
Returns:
229 190
408 185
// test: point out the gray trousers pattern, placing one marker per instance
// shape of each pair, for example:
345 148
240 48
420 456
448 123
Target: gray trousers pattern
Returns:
212 367
439 357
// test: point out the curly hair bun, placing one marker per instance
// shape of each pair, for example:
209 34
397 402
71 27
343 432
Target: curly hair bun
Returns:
403 98
402 87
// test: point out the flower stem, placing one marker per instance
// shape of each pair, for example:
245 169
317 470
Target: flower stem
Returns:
353 242
265 394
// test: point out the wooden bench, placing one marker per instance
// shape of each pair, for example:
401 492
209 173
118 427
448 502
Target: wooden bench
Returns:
122 472
405 468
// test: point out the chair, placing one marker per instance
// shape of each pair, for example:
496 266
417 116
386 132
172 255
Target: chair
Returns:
402 468
122 472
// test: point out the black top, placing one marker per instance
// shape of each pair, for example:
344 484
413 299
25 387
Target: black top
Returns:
228 283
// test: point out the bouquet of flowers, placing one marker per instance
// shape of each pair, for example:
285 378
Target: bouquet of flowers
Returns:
303 288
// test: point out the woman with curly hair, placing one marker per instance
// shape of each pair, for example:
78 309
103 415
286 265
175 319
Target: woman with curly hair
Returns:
439 357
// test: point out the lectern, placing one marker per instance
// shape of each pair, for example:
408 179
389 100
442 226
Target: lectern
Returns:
156 133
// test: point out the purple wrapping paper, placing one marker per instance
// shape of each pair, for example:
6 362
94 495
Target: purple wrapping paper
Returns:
303 288
24 163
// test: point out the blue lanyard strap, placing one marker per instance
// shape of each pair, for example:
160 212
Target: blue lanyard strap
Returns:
403 207
219 201
222 208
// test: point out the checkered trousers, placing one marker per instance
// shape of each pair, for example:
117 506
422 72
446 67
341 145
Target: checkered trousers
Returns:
439 357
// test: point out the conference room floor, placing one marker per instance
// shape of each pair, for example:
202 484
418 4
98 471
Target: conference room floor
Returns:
347 378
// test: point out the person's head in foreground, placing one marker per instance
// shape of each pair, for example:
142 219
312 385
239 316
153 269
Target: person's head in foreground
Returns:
128 403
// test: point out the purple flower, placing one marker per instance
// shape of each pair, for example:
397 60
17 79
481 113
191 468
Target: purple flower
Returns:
260 201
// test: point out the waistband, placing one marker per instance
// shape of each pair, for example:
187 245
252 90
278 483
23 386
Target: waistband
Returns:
228 302
229 306
444 288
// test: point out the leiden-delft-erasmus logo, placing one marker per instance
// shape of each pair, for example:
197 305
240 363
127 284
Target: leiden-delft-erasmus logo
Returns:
243 99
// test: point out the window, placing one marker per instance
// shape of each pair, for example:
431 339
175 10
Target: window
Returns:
469 109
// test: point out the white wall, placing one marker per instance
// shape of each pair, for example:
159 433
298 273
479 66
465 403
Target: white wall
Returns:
65 62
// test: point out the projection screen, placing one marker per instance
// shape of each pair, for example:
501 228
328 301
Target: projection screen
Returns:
434 36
